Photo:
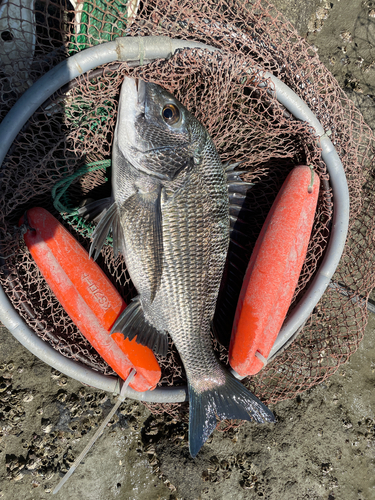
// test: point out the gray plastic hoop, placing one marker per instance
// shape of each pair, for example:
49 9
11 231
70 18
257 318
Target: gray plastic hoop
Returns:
141 50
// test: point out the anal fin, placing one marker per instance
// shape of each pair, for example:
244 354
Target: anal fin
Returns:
133 324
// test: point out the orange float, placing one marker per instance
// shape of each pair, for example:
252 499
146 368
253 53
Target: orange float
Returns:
273 271
88 296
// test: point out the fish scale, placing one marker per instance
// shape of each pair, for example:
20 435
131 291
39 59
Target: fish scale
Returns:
189 283
169 211
196 281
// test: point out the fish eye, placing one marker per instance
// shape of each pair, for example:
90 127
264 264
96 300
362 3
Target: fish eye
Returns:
170 114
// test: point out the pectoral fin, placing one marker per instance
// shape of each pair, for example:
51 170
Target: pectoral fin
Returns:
142 215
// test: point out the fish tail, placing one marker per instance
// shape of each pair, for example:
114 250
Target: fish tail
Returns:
230 400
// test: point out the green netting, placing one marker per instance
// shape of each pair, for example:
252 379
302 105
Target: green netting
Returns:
98 23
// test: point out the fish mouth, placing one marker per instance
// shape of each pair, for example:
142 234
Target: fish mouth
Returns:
132 98
140 86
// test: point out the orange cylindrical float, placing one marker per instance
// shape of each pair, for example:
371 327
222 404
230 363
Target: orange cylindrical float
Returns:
273 271
88 296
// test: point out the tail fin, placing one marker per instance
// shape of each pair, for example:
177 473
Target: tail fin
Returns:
231 400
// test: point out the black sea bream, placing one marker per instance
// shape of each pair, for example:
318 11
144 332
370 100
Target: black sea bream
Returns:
170 219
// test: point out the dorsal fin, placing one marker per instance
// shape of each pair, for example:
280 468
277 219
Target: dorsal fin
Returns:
238 255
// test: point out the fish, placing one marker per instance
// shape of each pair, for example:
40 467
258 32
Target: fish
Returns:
169 216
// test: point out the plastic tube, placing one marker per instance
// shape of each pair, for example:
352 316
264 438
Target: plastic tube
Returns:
293 102
141 50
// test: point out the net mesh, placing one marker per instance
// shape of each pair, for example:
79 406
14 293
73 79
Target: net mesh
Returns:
73 130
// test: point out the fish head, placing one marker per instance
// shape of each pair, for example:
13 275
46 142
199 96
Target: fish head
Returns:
155 132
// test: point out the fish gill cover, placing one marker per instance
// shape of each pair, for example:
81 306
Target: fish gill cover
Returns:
75 128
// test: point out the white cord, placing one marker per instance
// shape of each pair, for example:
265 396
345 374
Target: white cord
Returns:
98 433
261 358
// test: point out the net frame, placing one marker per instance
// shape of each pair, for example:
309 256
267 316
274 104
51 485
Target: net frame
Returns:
138 50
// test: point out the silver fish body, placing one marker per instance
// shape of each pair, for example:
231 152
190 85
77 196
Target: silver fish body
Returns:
169 216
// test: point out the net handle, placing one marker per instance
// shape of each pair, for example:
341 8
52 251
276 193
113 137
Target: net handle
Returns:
142 50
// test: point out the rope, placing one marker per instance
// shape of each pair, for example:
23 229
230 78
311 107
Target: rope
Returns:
61 201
